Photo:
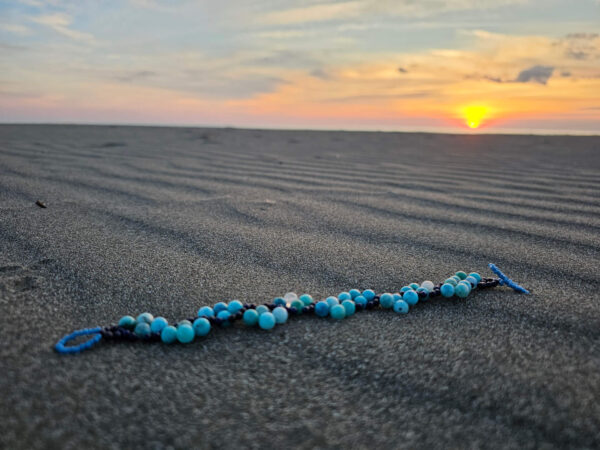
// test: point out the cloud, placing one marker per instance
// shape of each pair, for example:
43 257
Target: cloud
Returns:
136 76
14 28
314 13
402 70
320 73
60 22
536 74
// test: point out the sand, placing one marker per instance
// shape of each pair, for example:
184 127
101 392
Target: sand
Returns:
168 219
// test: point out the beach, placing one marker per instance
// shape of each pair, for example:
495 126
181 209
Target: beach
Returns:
166 220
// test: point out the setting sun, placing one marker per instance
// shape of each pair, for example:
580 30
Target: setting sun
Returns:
474 115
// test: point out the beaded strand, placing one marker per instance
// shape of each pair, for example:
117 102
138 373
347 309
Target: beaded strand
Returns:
145 327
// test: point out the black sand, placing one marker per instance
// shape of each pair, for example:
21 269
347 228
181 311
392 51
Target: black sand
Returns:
166 220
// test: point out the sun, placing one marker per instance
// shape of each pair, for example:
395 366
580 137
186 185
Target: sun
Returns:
474 115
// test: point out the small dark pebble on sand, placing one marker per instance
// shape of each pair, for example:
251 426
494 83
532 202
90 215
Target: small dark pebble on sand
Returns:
40 203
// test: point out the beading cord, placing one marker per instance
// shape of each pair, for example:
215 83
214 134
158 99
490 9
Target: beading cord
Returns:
147 328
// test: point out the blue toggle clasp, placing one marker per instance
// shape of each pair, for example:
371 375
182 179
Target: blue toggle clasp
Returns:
507 281
60 346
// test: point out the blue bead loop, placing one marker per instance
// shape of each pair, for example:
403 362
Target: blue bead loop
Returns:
505 280
61 347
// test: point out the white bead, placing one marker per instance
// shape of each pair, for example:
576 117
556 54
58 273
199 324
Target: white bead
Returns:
290 297
427 285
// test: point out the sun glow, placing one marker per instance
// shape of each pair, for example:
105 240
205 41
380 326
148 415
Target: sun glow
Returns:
474 115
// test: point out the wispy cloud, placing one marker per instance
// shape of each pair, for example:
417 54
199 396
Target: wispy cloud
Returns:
537 74
314 13
15 28
60 22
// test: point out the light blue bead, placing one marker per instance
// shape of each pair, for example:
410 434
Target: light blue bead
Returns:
250 317
447 289
460 274
369 294
472 281
279 301
405 288
266 321
142 329
184 322
401 307
322 309
201 326
261 309
306 299
414 286
218 307
476 276
206 311
386 300
338 312
127 322
349 306
456 278
185 333
234 306
158 324
145 317
425 291
411 297
344 296
461 290
168 334
354 293
332 301
280 314
451 281
397 296
360 300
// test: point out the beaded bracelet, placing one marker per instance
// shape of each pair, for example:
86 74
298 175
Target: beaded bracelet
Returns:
147 328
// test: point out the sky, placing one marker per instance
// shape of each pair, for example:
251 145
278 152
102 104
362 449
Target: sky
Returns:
431 65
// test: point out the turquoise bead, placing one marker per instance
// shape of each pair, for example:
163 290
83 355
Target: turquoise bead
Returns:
349 306
360 300
145 317
456 278
411 297
462 290
168 334
250 317
261 309
158 324
332 301
234 306
369 294
206 311
279 301
280 314
185 333
472 281
306 299
224 315
344 296
476 276
266 321
405 288
127 322
338 312
414 286
451 281
354 293
460 274
401 307
397 296
425 291
221 306
142 330
298 304
185 322
447 290
201 326
386 300
322 308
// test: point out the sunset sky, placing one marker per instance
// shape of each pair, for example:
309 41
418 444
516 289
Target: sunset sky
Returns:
517 65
